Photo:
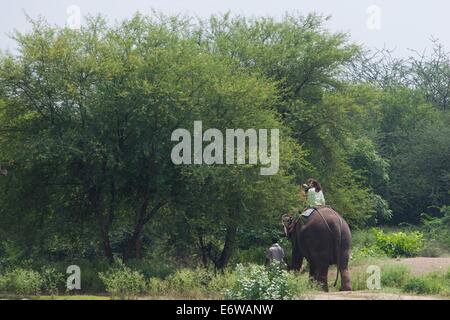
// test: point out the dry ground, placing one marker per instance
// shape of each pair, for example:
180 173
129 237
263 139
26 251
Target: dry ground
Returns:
418 266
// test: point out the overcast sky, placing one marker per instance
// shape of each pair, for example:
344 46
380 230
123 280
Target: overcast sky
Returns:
399 24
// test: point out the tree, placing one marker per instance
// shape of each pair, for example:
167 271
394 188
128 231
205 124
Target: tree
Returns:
89 116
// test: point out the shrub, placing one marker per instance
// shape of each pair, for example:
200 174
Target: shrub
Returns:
437 231
358 280
434 248
188 280
299 284
259 283
394 276
190 283
21 282
363 238
52 280
222 281
157 287
361 254
399 243
154 267
432 283
123 282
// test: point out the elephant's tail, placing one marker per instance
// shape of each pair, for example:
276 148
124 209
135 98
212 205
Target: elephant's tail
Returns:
338 249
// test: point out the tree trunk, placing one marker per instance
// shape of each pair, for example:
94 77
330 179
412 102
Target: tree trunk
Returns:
103 221
230 242
134 242
203 250
107 250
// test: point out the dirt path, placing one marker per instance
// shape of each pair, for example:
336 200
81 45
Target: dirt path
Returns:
367 295
423 265
417 266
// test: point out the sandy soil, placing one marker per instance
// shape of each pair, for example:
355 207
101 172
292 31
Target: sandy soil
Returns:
366 295
418 266
423 265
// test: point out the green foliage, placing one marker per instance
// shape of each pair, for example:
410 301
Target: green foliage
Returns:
358 280
364 247
156 267
399 244
52 280
122 282
369 164
255 282
382 210
189 283
221 282
21 282
301 284
432 283
394 276
86 119
361 254
437 230
185 280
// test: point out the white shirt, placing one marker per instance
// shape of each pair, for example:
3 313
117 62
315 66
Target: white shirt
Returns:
315 198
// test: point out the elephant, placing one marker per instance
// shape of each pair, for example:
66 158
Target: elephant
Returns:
324 239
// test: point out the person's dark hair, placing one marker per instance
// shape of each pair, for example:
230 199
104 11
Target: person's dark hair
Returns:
274 240
315 184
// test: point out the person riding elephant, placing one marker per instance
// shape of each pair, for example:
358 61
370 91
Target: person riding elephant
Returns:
323 239
315 195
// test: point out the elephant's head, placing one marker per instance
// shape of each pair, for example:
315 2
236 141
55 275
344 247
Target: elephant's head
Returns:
286 220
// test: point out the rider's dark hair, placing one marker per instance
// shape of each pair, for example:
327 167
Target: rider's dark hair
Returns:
315 184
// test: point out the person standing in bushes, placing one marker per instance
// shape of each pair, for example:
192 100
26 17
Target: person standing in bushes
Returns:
275 253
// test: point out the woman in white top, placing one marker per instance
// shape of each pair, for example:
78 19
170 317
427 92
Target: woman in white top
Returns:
314 193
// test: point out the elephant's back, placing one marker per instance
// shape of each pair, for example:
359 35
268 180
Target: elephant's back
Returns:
316 227
329 215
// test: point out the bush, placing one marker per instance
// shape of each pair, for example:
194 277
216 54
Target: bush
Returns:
192 283
189 280
123 282
358 280
160 268
437 232
363 238
299 284
434 248
432 283
361 254
259 283
394 276
52 280
222 281
399 244
21 282
157 287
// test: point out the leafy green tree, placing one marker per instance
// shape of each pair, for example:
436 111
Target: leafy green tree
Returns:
89 116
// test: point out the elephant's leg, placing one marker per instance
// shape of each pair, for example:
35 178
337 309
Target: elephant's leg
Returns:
297 260
322 276
345 273
345 280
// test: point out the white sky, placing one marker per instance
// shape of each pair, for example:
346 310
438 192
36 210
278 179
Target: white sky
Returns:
403 24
